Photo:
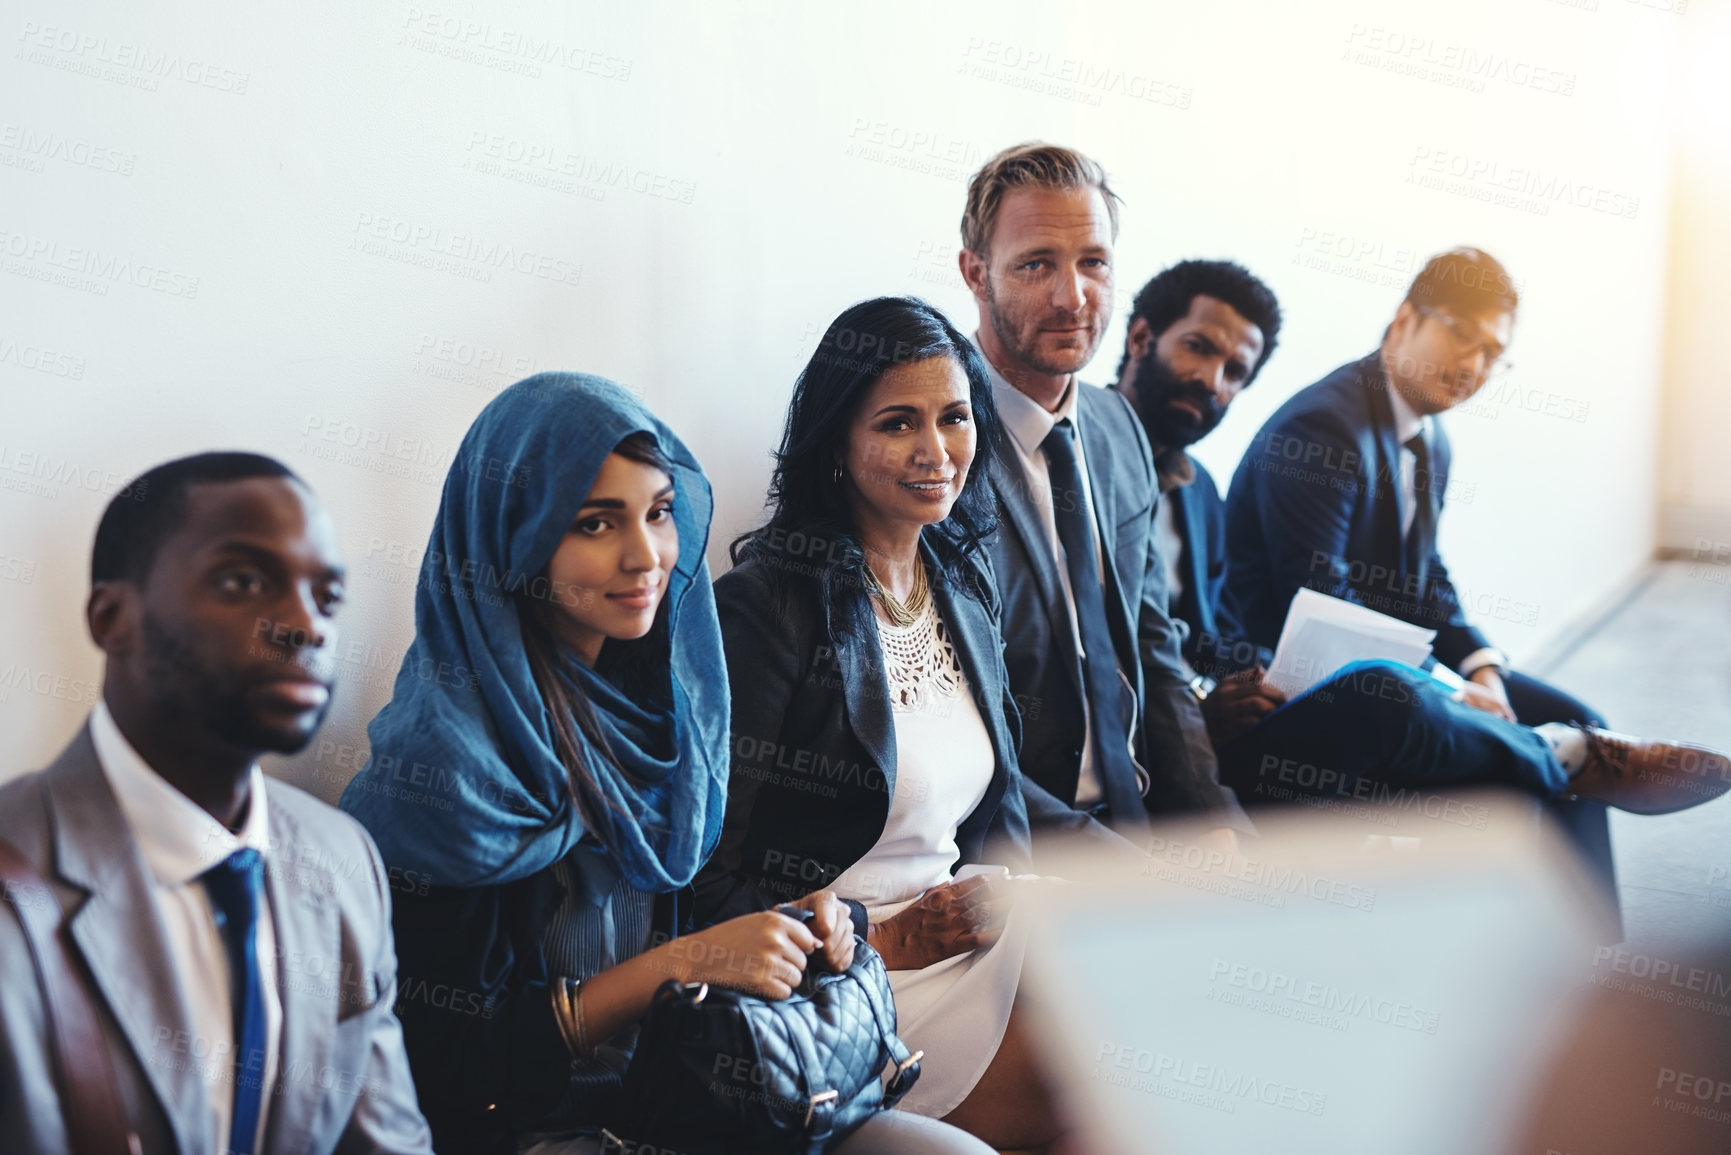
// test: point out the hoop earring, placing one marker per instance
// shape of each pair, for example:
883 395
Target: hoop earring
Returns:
837 478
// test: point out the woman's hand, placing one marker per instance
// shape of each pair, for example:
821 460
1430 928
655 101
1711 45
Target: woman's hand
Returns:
946 920
761 954
833 925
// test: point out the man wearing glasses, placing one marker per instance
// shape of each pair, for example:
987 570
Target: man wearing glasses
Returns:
1342 488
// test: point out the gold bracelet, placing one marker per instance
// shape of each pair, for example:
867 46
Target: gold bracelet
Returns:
568 1015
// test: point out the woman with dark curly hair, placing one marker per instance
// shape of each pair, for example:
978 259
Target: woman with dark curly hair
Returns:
874 737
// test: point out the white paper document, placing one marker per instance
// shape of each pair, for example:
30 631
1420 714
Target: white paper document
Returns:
1324 633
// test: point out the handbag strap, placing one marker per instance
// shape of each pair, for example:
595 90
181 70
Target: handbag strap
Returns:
820 1111
90 1100
907 1064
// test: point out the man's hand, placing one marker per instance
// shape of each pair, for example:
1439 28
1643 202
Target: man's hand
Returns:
833 925
951 919
1485 691
1239 702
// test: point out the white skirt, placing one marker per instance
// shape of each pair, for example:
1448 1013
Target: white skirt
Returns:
956 1011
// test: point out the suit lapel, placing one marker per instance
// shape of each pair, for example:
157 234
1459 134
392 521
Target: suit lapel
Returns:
1018 509
307 926
122 940
865 691
1097 450
1030 534
1387 477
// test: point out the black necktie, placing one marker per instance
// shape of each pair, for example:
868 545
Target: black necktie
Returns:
234 886
1421 538
1111 729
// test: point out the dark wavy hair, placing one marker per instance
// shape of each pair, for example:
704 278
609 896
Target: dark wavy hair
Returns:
810 531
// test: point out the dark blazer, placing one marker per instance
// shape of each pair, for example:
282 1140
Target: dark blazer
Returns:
1316 504
486 1052
1215 642
342 1082
814 759
1046 671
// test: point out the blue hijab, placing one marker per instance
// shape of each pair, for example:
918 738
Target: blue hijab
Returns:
464 784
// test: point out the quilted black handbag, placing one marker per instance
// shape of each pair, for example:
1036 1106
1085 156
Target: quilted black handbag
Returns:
718 1071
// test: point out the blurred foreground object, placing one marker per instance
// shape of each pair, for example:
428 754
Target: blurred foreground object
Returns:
1326 992
1646 1067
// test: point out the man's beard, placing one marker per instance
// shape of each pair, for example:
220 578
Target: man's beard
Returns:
1170 427
217 701
1010 337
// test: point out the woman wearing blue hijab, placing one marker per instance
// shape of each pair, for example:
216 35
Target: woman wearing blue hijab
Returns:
550 773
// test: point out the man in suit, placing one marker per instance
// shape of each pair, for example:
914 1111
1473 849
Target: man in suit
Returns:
1342 489
235 932
1379 732
1199 333
1108 725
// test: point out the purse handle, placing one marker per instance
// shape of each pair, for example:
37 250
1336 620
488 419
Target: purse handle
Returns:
90 1100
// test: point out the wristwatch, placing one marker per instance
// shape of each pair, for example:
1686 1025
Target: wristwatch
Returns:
1201 686
1488 657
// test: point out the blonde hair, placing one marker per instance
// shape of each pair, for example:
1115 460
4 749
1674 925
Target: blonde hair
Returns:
1031 165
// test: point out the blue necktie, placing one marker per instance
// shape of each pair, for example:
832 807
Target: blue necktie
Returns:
1104 689
234 886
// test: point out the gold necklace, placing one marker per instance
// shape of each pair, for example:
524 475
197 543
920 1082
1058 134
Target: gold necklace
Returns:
899 614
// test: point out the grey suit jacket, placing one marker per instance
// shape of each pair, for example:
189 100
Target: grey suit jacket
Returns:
342 1078
1044 668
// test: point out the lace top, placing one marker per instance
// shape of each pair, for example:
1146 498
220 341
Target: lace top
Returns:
921 668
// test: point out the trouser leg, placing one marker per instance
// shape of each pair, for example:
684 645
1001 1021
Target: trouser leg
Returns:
904 1133
1586 824
1382 723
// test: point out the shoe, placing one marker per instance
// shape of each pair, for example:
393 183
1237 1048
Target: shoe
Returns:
1645 777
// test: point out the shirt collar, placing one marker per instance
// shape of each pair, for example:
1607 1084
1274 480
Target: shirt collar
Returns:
178 838
1406 422
1027 420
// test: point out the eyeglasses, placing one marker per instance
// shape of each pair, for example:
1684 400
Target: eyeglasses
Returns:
1496 364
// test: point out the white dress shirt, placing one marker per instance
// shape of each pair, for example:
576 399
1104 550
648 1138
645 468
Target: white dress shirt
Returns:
1029 424
1171 545
179 841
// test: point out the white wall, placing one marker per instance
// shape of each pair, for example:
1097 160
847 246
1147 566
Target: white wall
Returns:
742 172
1696 472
